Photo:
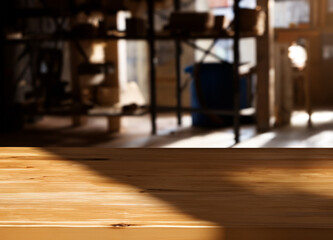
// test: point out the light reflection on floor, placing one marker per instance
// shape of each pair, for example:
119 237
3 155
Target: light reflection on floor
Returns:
298 135
135 133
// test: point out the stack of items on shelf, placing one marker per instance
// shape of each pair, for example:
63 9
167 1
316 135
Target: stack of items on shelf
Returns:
252 21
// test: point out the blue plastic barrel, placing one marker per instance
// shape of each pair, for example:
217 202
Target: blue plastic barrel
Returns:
216 83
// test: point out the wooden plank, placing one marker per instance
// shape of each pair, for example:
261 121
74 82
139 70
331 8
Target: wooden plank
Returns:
291 35
158 233
79 193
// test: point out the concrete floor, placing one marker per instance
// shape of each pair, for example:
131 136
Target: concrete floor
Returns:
298 135
135 132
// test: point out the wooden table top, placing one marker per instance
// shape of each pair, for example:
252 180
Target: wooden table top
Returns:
194 194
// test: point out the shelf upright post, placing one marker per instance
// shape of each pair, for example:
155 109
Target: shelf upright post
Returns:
178 52
2 76
152 62
236 76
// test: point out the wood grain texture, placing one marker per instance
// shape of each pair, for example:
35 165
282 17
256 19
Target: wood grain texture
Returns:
68 193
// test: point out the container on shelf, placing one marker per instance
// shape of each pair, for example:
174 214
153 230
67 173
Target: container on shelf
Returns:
191 21
251 21
136 26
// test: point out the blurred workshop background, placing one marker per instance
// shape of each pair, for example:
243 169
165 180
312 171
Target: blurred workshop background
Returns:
167 73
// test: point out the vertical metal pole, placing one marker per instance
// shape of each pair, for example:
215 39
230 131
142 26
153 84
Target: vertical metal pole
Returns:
3 79
178 52
236 76
152 58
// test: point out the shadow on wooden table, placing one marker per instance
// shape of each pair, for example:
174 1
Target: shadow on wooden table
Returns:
266 189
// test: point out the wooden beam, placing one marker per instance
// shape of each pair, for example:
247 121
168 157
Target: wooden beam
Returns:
265 66
112 82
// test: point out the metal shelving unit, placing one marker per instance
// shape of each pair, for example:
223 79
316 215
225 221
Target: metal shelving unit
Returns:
236 75
151 38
